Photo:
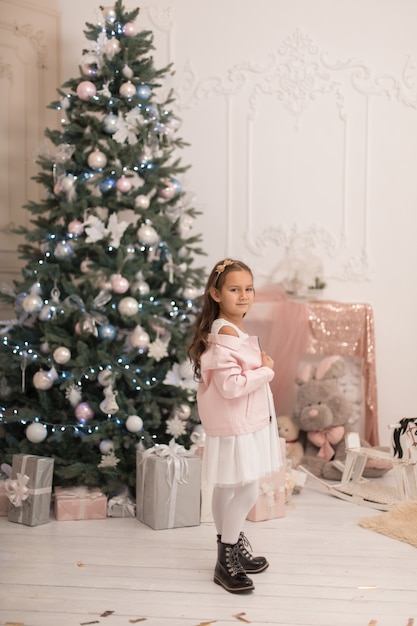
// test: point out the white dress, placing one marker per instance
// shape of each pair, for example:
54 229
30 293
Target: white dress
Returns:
240 459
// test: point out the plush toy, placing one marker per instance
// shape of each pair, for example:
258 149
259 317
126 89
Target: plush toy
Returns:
289 430
322 413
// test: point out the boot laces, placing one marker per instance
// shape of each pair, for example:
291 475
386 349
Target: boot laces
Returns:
233 562
244 547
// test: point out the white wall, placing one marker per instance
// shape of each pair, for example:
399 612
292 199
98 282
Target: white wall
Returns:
303 124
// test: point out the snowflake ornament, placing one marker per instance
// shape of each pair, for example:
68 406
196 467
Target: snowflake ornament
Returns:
109 460
73 395
176 427
158 349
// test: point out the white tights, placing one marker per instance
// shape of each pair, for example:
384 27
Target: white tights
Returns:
230 506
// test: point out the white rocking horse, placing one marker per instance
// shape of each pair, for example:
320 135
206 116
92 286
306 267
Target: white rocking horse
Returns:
368 492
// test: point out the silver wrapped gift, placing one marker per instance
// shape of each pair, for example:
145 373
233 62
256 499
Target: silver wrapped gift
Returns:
29 489
168 487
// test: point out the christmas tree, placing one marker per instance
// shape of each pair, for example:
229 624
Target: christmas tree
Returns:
95 362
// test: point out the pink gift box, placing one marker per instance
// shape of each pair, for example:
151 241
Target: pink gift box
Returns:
79 503
4 500
271 498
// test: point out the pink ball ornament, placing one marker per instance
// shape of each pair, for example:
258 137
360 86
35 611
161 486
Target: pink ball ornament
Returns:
36 432
97 160
168 192
128 306
124 184
119 283
129 29
42 380
109 14
89 70
142 202
139 338
83 412
75 227
127 90
57 189
134 423
86 90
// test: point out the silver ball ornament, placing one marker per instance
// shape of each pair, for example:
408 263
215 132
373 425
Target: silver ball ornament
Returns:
42 380
106 446
32 303
128 306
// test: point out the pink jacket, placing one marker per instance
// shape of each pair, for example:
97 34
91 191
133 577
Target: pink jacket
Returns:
233 392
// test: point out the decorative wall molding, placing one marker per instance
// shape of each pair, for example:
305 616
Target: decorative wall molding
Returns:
298 75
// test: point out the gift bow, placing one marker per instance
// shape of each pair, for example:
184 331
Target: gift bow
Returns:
177 465
124 501
17 489
324 439
267 489
78 492
198 439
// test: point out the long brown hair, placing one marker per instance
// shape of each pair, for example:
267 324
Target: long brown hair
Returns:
210 310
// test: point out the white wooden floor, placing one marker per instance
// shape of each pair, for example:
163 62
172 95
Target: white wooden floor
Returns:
325 570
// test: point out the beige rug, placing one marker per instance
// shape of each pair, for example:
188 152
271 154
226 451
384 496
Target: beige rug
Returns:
400 522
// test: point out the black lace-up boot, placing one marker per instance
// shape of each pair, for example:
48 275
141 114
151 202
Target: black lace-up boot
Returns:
228 571
251 564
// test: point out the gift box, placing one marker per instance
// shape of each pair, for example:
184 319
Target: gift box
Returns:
29 489
4 500
271 499
168 481
79 503
121 505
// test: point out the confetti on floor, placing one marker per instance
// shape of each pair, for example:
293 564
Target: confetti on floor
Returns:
239 616
87 623
106 613
410 621
372 622
139 619
79 564
213 621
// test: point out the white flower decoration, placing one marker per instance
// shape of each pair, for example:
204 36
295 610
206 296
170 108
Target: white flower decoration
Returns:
176 427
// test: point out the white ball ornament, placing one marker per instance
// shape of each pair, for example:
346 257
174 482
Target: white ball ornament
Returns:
36 432
128 306
61 355
106 446
191 293
147 234
109 14
32 303
42 380
142 202
134 423
184 411
112 47
97 160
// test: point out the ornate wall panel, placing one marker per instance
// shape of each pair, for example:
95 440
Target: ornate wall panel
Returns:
29 75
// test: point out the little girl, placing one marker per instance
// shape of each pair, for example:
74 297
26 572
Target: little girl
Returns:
236 409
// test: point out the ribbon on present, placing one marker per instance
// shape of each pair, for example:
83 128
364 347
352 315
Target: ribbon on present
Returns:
17 490
267 489
125 502
78 492
176 473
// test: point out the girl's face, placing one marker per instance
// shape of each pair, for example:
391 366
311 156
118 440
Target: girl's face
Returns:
236 295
